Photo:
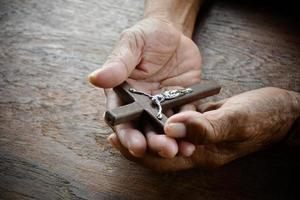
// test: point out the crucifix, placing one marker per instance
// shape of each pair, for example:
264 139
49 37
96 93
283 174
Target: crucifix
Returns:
145 106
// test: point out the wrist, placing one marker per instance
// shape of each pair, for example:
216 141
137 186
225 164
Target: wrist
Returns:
181 14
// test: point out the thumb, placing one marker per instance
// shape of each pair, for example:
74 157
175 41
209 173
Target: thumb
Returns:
197 128
124 58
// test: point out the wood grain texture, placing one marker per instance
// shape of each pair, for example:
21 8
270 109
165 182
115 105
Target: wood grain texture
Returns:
250 44
52 135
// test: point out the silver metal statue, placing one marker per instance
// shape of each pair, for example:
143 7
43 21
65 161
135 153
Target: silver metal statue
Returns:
167 95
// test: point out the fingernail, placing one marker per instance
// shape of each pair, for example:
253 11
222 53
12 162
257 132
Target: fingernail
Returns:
190 150
93 76
130 149
111 141
137 153
97 71
133 153
176 130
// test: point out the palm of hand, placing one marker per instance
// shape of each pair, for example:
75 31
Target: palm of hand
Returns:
167 57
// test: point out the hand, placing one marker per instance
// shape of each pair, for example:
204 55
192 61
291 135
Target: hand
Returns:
151 56
226 130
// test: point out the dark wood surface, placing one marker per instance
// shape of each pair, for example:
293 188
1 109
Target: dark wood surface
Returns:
52 135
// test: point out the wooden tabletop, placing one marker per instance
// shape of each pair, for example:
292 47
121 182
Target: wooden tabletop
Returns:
52 135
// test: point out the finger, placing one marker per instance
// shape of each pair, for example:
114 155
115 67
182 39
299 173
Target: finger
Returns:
152 161
187 107
211 127
132 139
186 148
112 99
124 58
129 137
115 142
160 143
210 106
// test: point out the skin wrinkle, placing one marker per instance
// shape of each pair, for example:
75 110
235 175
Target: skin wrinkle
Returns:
146 70
136 43
133 46
193 126
126 66
171 58
195 78
216 124
170 71
218 154
161 69
233 119
153 77
205 157
277 116
177 67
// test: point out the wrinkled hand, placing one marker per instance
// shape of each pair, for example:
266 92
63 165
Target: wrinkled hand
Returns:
151 56
226 130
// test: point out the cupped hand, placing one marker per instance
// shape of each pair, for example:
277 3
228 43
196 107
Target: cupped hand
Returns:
226 130
151 56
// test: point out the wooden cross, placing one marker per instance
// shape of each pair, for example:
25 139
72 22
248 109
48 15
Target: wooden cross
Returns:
141 107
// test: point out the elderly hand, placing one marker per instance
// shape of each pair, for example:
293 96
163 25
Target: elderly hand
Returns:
226 130
151 56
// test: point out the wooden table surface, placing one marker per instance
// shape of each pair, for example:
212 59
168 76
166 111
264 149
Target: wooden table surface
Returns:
52 135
